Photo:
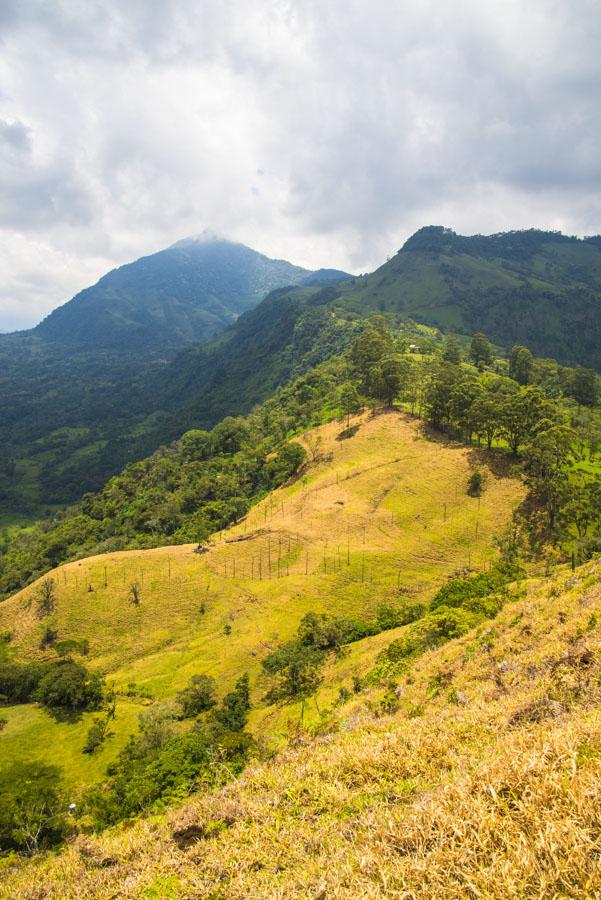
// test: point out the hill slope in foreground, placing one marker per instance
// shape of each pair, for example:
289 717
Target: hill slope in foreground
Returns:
381 517
483 783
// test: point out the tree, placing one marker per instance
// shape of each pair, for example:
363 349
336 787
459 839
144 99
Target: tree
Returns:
349 400
385 380
314 444
31 807
476 483
439 392
288 460
69 685
369 348
485 413
584 386
521 364
545 459
520 413
98 731
197 444
579 508
199 696
464 396
232 713
230 434
46 598
480 350
452 349
134 593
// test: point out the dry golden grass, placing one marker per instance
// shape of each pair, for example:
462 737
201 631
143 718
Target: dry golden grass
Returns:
383 510
492 791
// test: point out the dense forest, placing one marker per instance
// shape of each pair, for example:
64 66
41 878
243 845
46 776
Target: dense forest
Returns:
543 415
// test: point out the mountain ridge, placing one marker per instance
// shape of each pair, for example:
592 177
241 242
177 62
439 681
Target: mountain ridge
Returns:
184 293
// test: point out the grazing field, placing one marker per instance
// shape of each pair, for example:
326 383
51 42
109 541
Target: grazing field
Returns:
380 517
482 781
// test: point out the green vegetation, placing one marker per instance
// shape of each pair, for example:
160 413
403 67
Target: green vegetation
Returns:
160 764
32 807
65 684
172 621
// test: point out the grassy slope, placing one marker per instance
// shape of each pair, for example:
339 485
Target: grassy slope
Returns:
376 509
494 796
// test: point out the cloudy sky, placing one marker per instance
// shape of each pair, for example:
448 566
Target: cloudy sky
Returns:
321 131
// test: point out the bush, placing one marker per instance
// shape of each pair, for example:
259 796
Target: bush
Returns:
475 593
19 682
235 705
97 732
146 773
476 483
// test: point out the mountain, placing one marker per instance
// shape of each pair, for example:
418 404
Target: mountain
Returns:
79 393
538 288
162 302
364 588
72 415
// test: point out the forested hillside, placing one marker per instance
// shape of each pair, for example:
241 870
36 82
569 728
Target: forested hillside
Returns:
162 302
542 289
70 419
82 394
520 406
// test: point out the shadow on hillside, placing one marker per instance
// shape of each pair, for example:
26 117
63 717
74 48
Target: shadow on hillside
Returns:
502 465
430 433
63 716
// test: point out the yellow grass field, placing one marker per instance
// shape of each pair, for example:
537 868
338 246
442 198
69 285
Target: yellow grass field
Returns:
378 518
484 783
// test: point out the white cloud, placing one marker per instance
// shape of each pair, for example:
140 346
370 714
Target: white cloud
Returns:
324 132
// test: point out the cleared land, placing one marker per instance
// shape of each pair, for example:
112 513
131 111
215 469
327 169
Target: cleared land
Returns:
381 517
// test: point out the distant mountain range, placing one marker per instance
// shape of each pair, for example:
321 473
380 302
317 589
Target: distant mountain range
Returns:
184 337
186 293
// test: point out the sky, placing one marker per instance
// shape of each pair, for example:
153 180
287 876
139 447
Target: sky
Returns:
320 131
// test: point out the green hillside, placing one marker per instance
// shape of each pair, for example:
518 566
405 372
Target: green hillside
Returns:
356 549
82 394
183 294
72 418
542 289
357 531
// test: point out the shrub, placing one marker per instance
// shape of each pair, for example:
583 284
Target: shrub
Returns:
476 483
19 682
235 705
146 773
98 731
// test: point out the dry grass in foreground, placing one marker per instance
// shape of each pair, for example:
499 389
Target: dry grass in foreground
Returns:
485 783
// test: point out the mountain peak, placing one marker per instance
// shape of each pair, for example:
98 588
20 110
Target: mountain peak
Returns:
207 236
